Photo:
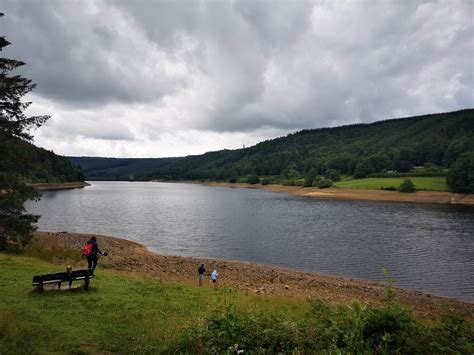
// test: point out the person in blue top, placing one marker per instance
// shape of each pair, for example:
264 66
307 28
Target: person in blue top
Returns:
92 257
214 276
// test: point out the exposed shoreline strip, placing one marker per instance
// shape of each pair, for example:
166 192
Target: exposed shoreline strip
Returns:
437 197
132 257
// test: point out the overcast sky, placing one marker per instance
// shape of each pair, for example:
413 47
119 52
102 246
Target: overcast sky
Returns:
172 78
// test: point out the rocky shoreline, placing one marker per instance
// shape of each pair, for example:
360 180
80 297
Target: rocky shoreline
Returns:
130 257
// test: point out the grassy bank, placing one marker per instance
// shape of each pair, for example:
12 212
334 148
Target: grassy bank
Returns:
421 183
124 313
120 313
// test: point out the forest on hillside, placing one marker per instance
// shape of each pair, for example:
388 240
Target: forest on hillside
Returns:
414 146
392 147
38 165
120 169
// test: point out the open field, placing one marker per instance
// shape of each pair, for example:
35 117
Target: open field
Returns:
421 183
143 304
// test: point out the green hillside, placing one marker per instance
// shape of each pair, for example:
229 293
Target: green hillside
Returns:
96 168
433 141
37 165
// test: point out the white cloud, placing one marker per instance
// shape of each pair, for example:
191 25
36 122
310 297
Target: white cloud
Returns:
174 78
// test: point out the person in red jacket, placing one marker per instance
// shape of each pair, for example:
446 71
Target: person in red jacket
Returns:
92 257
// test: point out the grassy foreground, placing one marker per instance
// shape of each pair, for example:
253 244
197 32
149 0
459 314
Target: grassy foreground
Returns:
123 313
120 313
421 183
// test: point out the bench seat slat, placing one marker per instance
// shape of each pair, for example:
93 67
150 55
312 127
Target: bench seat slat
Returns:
63 277
35 283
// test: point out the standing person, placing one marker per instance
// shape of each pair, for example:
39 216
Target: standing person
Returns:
201 271
214 276
92 256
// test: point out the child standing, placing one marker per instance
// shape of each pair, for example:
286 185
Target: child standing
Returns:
214 276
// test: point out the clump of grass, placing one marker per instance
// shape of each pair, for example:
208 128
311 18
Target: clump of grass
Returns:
53 254
11 337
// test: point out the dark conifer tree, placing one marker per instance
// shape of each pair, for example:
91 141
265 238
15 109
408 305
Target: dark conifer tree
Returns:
16 226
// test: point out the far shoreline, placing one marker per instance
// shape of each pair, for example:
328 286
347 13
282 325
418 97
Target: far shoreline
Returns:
432 197
59 186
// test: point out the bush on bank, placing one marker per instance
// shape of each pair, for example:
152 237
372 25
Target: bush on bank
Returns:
407 186
338 329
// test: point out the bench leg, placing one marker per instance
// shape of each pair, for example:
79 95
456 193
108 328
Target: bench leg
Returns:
59 284
40 287
86 283
70 284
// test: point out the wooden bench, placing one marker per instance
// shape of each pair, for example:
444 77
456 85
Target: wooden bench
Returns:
58 278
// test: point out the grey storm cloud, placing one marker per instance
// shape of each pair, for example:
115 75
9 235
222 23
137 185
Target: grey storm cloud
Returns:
242 66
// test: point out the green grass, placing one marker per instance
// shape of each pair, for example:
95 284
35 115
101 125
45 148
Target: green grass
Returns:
127 314
119 314
421 183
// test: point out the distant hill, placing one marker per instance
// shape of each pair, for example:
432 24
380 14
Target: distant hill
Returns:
96 168
434 141
37 164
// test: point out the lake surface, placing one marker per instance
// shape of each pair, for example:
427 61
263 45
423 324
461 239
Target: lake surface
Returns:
426 247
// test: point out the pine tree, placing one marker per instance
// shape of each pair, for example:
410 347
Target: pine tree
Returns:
16 226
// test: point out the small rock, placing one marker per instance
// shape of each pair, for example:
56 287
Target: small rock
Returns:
287 287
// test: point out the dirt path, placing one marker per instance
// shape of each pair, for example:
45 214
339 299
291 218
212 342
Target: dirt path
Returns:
131 257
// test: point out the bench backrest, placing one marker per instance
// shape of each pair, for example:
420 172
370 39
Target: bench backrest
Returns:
63 275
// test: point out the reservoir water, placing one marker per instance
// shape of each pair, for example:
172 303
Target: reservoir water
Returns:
426 247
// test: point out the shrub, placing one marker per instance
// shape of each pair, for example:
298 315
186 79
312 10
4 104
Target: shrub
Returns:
325 328
333 175
232 332
461 174
388 328
308 181
299 182
252 179
363 168
407 186
265 181
324 183
316 181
